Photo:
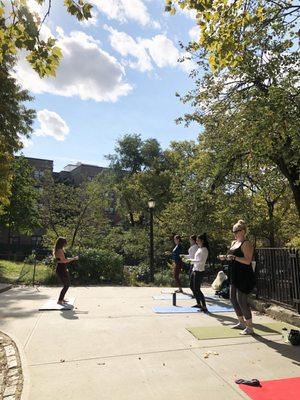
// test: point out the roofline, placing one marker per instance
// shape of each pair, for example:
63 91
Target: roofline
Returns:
34 158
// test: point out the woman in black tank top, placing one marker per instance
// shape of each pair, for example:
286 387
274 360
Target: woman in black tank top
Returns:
61 267
241 277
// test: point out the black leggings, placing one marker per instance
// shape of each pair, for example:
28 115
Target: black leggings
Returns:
195 285
65 278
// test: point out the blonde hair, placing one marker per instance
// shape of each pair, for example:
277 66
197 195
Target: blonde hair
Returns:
240 226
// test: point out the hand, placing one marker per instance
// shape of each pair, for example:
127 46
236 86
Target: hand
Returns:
76 258
222 257
230 257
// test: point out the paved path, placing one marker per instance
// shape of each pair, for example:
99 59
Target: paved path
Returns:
112 346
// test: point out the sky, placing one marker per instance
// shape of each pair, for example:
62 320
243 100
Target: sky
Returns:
119 75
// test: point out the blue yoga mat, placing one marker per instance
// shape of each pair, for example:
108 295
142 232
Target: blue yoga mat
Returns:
216 308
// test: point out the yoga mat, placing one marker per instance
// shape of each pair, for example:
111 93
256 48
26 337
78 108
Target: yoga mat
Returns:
52 305
281 389
215 308
221 332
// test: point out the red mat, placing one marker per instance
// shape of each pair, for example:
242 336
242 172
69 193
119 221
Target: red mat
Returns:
281 389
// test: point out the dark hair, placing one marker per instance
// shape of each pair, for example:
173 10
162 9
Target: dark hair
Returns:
204 239
193 237
178 237
59 244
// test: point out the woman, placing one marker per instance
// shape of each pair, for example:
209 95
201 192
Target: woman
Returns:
61 268
177 262
198 271
241 277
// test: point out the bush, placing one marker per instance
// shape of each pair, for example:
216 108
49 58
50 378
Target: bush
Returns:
97 265
31 259
133 275
165 278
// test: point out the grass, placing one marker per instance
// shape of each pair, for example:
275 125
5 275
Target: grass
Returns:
22 273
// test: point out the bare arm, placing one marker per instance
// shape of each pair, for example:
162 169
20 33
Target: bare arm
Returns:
248 253
62 259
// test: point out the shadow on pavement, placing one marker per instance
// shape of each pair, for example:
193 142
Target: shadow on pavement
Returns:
286 350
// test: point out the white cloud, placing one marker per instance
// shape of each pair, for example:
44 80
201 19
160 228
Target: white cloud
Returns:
127 46
158 50
194 33
51 124
85 71
162 50
123 10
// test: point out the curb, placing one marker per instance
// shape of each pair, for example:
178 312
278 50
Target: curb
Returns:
275 311
5 288
11 372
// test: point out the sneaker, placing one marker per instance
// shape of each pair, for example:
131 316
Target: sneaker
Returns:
247 331
196 306
239 325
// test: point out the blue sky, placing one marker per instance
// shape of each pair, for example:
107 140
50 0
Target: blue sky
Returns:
119 75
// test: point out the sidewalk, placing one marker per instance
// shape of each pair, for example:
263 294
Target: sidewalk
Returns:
112 346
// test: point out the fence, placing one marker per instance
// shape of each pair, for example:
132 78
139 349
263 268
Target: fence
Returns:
278 276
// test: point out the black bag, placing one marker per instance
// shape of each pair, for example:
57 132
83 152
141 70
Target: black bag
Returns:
294 337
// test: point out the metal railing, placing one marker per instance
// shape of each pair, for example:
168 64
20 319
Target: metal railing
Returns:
278 276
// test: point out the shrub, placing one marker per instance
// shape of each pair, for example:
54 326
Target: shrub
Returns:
135 274
97 265
31 259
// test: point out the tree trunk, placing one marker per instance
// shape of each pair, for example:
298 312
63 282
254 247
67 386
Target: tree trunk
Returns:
293 176
271 223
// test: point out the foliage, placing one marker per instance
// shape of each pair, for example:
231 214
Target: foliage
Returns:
141 173
97 266
78 213
21 214
250 109
20 29
15 121
227 28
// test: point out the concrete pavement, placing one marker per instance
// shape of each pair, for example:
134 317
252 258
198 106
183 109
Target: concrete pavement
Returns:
112 346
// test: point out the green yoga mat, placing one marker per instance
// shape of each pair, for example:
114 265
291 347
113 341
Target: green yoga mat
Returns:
223 332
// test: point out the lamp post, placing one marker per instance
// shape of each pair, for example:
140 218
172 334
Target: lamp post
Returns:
151 205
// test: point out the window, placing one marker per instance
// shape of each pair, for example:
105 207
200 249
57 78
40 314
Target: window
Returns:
38 174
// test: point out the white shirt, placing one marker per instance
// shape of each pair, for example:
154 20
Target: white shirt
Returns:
192 250
200 259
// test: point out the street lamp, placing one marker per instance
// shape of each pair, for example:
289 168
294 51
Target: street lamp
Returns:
151 205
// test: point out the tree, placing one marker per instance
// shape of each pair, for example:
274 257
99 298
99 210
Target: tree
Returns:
78 213
141 174
227 28
15 121
20 29
20 216
252 111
